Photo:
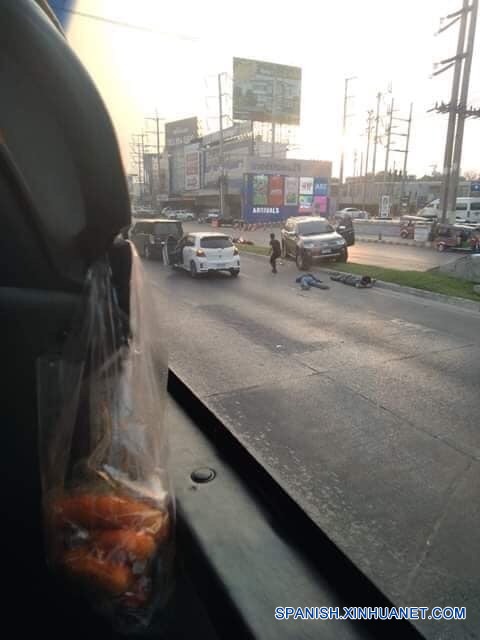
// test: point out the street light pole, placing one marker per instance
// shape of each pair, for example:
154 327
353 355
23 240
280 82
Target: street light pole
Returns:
222 159
344 126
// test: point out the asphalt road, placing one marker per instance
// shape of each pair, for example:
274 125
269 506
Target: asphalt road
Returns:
381 255
364 404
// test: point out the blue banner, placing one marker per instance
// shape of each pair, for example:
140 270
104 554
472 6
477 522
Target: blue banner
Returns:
320 187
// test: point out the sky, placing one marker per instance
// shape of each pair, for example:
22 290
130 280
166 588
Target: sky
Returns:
170 64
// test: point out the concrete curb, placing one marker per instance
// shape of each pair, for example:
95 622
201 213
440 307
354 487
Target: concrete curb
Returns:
398 243
421 293
398 288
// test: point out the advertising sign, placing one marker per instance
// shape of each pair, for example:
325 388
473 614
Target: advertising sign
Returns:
320 205
291 191
275 191
320 187
306 186
260 190
181 132
256 190
305 203
263 91
192 170
475 187
385 207
234 154
288 167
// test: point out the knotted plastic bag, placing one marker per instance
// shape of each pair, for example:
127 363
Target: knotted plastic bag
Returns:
107 500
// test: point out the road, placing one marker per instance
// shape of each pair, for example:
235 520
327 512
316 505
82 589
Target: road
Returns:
381 255
364 404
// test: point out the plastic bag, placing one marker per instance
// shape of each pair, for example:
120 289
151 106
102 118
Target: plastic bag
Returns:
108 505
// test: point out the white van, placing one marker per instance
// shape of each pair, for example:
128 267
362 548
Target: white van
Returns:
467 209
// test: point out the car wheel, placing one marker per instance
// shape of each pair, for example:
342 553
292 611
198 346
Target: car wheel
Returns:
193 269
303 262
343 256
234 273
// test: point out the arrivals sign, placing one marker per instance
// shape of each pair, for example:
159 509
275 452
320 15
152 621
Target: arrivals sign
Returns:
273 198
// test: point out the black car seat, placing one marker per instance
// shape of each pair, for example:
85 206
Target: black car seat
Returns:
63 200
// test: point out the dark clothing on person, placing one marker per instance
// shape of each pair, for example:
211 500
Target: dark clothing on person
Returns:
276 253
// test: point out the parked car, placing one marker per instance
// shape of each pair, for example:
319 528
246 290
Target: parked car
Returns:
354 213
150 236
185 216
202 252
208 216
311 238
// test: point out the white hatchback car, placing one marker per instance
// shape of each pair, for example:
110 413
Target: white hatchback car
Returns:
203 252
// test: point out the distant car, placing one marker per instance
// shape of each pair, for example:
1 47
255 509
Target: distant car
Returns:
202 252
185 216
150 236
309 238
208 217
355 214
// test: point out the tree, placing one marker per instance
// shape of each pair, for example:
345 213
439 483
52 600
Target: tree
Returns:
471 174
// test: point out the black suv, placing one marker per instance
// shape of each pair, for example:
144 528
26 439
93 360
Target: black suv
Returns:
310 238
150 236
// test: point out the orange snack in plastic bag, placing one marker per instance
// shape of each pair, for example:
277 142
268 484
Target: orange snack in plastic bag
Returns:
106 512
111 578
138 545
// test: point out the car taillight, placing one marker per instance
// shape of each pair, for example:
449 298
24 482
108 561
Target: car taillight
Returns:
235 251
200 253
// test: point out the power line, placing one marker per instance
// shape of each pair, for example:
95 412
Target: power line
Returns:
124 24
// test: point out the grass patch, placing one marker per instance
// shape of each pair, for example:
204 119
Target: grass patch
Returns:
253 248
426 280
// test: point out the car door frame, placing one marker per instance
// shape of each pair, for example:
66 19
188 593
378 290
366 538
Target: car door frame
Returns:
187 258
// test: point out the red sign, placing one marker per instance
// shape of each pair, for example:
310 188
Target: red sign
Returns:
275 191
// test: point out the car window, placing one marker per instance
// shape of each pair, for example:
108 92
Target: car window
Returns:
216 242
461 206
374 444
167 228
314 228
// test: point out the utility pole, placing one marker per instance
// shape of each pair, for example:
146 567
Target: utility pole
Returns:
407 148
369 134
452 116
375 140
346 98
274 112
157 120
389 140
222 158
457 151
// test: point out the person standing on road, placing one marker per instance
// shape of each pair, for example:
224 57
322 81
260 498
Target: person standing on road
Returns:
275 252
